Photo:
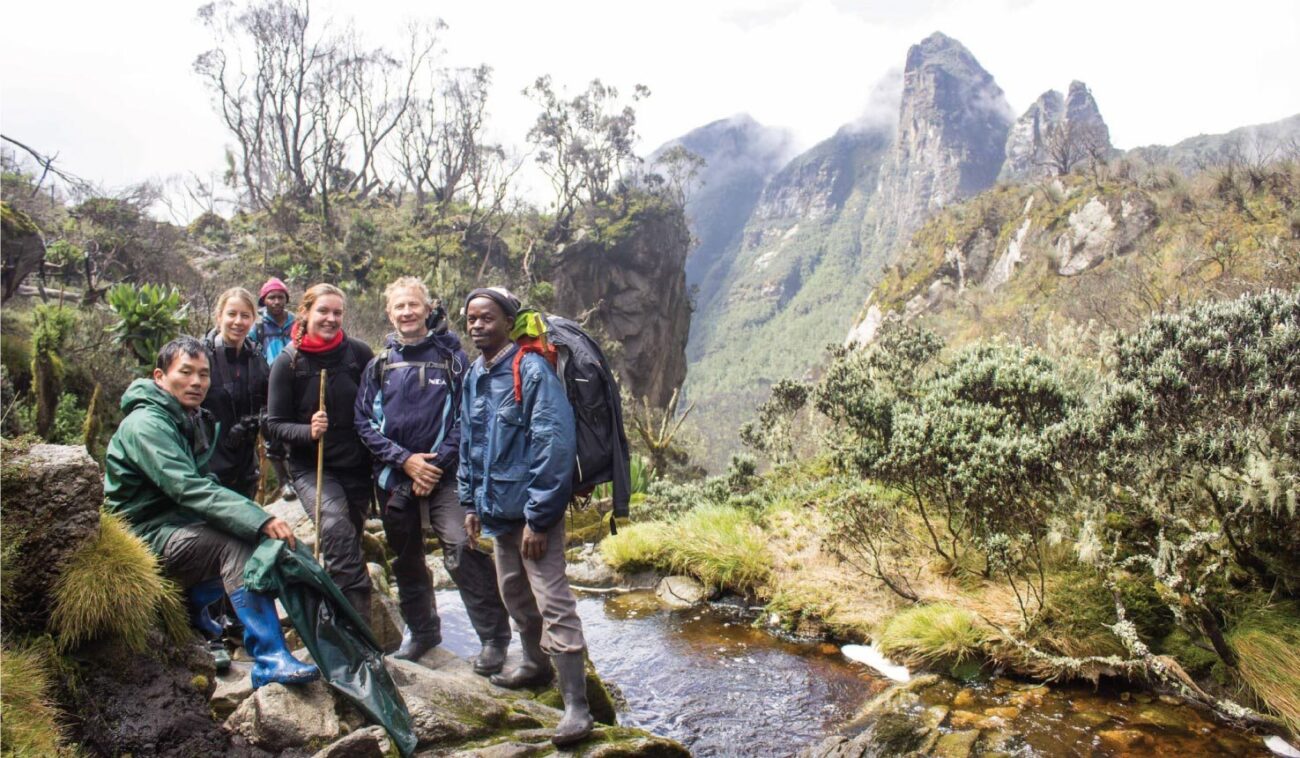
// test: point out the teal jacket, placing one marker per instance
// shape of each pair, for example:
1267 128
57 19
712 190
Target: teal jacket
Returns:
154 478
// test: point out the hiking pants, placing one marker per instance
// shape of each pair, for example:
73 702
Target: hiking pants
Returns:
198 552
537 592
473 571
344 506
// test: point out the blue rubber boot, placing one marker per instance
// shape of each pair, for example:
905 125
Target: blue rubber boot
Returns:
264 641
203 595
201 598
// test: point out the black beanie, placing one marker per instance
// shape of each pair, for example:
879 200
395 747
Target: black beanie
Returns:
499 295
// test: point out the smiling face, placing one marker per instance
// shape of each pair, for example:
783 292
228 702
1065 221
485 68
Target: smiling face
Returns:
187 379
408 311
234 319
325 318
488 326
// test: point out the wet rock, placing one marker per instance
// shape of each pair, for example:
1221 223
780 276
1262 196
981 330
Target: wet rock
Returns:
964 699
1005 712
233 688
680 592
589 569
52 495
1124 740
441 579
956 744
1160 716
934 716
964 719
446 707
1028 698
277 717
370 742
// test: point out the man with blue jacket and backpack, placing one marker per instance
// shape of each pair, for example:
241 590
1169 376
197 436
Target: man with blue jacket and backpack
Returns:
515 480
408 415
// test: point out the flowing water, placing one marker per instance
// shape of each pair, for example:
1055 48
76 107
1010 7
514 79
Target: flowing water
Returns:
708 678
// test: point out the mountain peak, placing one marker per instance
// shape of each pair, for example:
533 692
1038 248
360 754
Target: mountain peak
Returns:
1074 117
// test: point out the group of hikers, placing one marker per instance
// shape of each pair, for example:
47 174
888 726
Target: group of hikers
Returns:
441 444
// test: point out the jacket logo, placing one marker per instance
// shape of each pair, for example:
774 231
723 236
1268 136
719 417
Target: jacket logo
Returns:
437 382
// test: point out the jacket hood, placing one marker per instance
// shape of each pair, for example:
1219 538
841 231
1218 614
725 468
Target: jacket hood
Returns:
443 338
144 392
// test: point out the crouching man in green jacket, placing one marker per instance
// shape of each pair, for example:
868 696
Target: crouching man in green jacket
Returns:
202 532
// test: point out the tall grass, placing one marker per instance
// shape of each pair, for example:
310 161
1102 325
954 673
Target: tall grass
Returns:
719 545
28 719
933 634
112 587
1267 643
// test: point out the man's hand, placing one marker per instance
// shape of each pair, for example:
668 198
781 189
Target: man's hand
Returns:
472 527
320 423
534 544
424 475
279 529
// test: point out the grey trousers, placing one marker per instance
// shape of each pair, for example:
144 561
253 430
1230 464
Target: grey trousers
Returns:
343 511
199 552
537 594
473 571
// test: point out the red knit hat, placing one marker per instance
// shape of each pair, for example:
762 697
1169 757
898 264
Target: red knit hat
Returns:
272 285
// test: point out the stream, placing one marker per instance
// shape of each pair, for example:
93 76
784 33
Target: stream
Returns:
710 679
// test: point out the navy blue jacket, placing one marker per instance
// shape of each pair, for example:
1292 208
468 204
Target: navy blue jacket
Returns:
516 460
413 410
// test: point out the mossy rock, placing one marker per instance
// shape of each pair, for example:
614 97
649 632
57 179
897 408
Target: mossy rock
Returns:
603 707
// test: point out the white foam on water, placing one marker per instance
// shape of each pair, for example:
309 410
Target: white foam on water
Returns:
869 655
1281 747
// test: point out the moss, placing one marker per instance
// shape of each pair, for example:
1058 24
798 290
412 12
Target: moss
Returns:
1196 660
16 222
28 718
112 587
200 683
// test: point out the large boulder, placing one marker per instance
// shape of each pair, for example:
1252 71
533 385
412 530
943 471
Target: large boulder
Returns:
52 495
370 742
277 717
681 592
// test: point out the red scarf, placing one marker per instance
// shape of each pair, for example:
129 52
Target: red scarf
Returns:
311 343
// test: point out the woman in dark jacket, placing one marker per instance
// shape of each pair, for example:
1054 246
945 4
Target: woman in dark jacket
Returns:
293 417
237 397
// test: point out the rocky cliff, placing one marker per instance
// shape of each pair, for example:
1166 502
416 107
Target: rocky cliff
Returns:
1055 130
952 130
626 282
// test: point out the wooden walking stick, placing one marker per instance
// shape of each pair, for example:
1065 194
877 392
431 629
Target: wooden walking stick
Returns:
320 468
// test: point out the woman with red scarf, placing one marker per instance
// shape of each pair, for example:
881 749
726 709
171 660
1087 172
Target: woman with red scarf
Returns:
294 419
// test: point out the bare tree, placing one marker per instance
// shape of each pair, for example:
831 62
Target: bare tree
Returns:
441 139
1067 144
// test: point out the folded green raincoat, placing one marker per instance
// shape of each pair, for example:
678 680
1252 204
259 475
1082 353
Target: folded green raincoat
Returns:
339 640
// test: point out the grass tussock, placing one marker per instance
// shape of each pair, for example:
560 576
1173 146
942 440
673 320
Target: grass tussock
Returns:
28 718
637 546
1267 643
718 544
113 587
932 634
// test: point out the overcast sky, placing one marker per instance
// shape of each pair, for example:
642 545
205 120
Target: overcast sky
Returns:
109 85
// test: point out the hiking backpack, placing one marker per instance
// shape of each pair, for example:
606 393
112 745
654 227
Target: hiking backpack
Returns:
593 392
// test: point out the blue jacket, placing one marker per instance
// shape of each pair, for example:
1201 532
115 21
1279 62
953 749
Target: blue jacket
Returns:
516 461
270 336
413 408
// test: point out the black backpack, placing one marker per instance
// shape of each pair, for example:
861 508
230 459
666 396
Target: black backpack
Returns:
589 383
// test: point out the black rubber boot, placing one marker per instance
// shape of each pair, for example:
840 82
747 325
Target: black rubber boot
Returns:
360 601
286 481
414 646
577 722
491 659
534 669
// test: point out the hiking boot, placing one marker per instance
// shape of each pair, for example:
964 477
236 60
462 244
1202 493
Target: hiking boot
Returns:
264 641
415 646
577 722
534 669
491 659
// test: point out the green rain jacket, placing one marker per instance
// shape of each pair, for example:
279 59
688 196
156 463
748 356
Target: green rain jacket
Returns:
154 479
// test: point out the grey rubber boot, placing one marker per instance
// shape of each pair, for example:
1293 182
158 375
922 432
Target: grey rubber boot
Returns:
491 659
534 669
577 722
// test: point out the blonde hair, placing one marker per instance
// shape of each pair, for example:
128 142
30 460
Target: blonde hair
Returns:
407 283
309 298
234 293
